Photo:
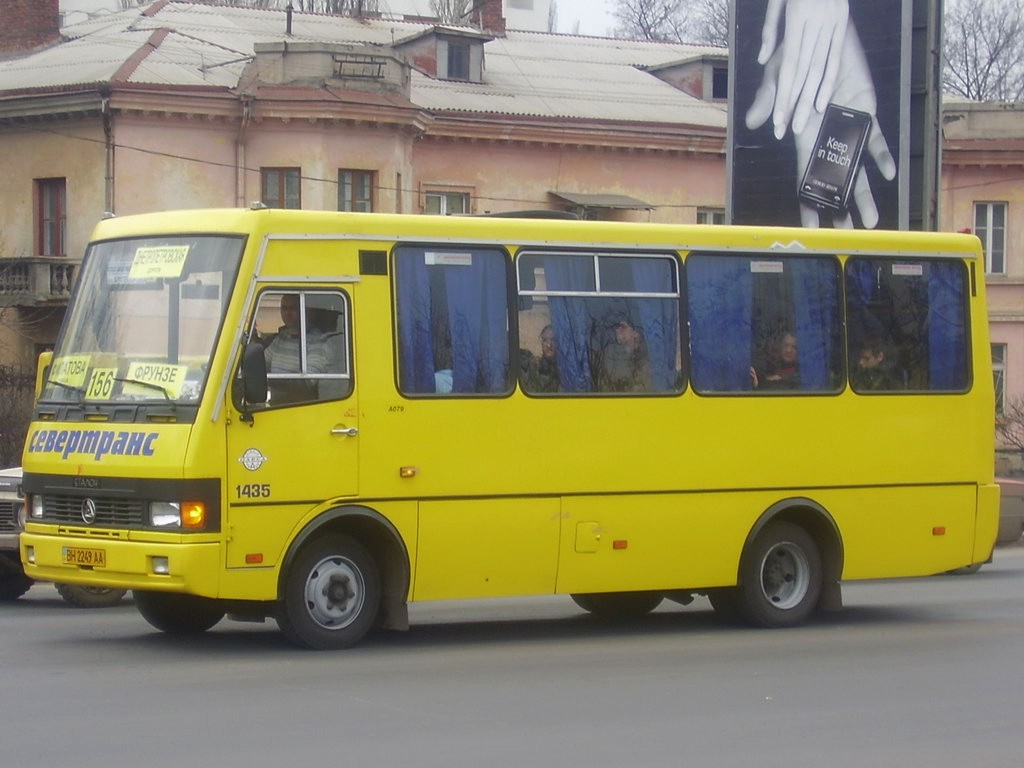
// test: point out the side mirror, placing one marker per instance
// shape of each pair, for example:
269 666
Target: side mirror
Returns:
43 370
254 375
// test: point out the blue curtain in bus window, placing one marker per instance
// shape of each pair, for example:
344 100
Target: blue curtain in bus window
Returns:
947 342
659 319
813 282
478 322
415 338
862 284
570 320
719 293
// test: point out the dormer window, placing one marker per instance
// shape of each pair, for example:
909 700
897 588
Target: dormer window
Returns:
458 60
719 82
447 53
704 76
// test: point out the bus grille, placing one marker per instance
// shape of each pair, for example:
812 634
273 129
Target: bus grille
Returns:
9 516
110 513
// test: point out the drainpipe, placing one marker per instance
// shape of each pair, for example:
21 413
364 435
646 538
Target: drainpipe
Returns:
243 127
108 141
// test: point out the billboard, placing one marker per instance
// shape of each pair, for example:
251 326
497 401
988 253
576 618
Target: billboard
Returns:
819 113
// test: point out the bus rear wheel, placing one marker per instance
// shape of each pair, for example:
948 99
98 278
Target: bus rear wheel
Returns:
618 605
178 614
332 595
780 577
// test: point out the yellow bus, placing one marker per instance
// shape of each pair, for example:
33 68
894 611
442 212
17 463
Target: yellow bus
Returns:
319 417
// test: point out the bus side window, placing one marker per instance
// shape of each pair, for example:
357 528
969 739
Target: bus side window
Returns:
915 314
599 322
452 320
764 323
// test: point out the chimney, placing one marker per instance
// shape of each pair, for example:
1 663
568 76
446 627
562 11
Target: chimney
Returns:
486 16
28 24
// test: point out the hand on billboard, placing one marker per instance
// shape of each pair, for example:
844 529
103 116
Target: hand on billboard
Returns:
854 89
810 52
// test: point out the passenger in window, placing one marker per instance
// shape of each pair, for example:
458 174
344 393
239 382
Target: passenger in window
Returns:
328 324
540 374
283 355
623 365
324 329
873 372
782 369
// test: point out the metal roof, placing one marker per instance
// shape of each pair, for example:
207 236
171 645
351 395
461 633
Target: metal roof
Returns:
185 44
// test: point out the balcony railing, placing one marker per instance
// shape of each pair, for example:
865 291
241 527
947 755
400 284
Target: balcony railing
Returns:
36 280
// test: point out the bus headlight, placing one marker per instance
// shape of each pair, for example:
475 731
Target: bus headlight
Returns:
190 515
36 506
163 514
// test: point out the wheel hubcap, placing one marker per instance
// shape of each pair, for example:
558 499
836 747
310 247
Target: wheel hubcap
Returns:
785 575
334 592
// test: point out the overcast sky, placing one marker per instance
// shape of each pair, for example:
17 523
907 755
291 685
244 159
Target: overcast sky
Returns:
595 16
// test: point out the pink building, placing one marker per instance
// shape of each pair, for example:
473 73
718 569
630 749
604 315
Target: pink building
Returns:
186 104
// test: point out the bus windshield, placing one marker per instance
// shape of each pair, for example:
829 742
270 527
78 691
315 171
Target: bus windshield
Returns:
143 321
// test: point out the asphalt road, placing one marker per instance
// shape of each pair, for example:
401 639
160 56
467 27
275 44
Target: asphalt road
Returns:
924 672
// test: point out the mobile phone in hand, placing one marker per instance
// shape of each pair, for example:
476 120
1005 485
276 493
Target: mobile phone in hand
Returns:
832 168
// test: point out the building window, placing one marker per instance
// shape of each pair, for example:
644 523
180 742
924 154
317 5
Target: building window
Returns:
990 226
458 61
355 191
999 375
280 187
446 203
51 216
711 216
720 83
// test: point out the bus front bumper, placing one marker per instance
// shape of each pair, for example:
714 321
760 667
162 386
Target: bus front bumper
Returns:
123 564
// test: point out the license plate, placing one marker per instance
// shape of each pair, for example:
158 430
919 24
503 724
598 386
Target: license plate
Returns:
84 556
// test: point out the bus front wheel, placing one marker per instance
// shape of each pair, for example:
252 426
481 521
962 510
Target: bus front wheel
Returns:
90 597
780 577
332 595
178 614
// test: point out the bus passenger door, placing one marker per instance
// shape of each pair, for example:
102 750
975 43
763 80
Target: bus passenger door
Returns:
301 447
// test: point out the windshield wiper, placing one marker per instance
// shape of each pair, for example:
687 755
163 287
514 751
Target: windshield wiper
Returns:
80 391
162 390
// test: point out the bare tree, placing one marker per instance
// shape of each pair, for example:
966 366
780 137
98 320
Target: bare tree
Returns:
1010 424
711 22
984 49
451 11
333 7
658 20
17 389
336 7
679 21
